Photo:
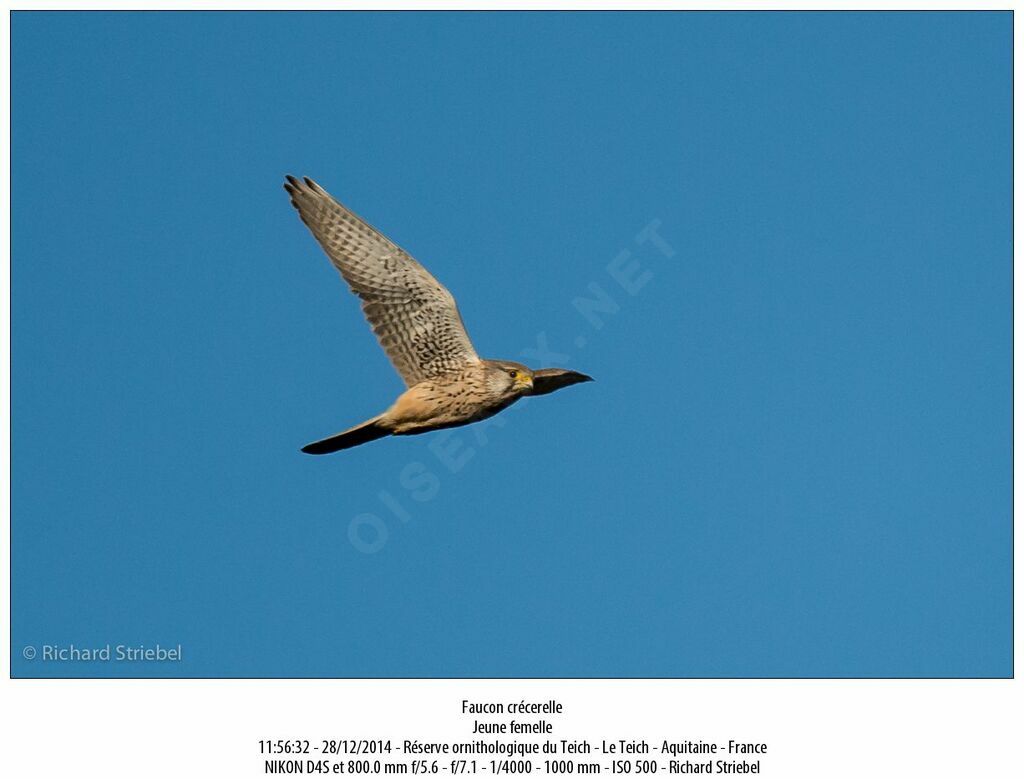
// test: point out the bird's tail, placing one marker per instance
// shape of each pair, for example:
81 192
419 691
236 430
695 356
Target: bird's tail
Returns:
370 430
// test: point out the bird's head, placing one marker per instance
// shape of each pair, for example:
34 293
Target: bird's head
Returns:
510 378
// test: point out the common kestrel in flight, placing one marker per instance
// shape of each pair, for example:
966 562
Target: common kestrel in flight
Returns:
418 326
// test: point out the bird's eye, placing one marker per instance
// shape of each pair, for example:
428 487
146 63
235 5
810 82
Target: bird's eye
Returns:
513 373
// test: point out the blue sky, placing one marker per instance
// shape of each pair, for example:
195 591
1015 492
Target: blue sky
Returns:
796 459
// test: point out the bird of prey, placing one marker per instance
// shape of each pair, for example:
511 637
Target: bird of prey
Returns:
418 326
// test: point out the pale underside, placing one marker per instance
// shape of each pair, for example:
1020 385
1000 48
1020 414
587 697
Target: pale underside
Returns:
447 401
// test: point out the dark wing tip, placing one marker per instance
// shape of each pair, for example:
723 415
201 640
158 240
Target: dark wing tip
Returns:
547 380
305 187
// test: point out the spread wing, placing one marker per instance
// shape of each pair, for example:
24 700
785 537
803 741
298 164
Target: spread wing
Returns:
414 317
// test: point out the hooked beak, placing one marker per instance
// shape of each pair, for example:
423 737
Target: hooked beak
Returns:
524 380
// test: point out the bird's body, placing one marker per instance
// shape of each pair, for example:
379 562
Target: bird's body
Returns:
419 326
452 399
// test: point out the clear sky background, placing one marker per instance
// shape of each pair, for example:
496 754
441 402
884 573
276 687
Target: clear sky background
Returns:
796 458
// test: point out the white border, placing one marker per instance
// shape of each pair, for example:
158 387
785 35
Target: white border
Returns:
212 728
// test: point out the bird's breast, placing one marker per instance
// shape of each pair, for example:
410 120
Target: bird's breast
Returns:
446 401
